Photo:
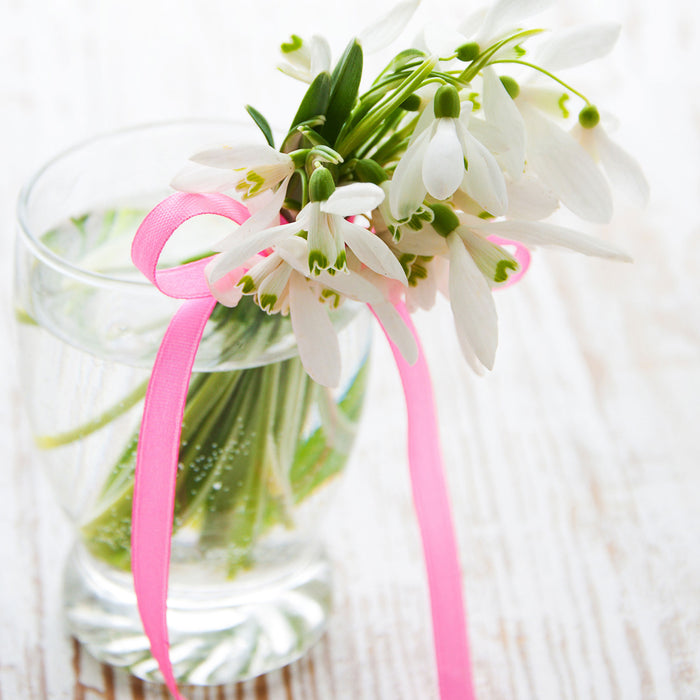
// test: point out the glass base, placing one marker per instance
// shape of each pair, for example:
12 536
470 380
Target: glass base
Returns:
218 634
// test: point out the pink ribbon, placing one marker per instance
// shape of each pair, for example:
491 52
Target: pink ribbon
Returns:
159 444
432 507
159 437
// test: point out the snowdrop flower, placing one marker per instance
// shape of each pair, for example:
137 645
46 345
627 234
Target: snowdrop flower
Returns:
482 29
305 60
564 166
475 265
282 282
435 162
245 170
565 163
622 169
327 230
383 32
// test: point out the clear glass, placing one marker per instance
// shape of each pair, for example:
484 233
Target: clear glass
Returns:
261 443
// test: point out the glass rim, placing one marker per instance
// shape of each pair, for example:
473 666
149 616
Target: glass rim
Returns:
50 257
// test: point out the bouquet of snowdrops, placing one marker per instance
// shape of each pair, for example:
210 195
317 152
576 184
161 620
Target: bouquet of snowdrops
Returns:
420 180
412 184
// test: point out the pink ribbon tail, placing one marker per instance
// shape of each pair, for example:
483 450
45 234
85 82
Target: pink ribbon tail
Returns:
432 508
156 471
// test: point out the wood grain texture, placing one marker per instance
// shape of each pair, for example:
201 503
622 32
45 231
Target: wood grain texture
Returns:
573 467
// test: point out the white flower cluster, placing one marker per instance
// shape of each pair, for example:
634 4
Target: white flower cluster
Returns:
411 187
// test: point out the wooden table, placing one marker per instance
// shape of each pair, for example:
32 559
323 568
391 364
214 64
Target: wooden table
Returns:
573 467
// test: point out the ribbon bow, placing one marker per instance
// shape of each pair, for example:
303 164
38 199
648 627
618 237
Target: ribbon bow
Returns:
159 444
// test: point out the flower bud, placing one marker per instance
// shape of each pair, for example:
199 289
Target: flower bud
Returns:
446 102
321 185
368 170
444 220
589 117
467 52
511 86
411 103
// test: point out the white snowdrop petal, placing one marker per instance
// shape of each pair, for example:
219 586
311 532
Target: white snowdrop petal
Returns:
355 198
407 189
427 116
370 250
443 163
487 134
295 252
441 39
320 237
201 178
423 242
473 307
262 218
623 170
564 167
384 31
245 156
500 110
397 330
574 47
483 180
422 295
529 199
352 285
506 15
320 55
319 350
242 248
532 233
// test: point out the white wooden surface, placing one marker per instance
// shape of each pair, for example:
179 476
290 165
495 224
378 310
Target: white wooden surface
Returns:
574 468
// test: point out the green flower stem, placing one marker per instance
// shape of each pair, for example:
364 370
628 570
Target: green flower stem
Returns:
367 125
484 58
48 442
518 62
387 151
244 463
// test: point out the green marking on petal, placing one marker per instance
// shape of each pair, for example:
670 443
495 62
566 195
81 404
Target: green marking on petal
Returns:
341 261
446 102
418 218
486 215
318 262
332 297
294 44
406 260
267 302
562 105
589 117
503 269
474 99
247 284
511 85
255 183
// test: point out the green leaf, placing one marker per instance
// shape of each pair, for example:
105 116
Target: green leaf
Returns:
345 84
262 124
315 102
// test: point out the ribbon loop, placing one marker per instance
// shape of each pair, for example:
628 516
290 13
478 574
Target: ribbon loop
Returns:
186 281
